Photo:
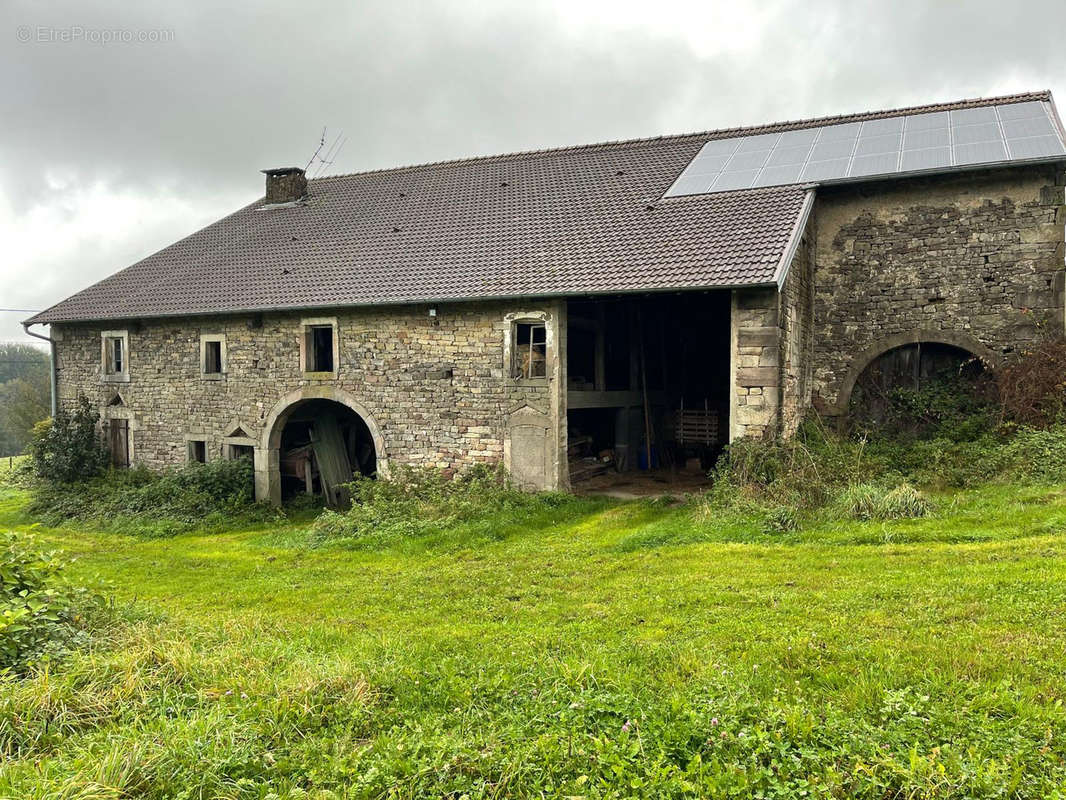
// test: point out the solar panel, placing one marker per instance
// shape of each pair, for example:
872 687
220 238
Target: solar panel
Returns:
887 146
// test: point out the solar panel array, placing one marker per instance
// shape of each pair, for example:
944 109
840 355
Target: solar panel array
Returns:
889 146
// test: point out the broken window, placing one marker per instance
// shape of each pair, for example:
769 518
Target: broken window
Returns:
197 451
212 357
114 355
530 350
318 345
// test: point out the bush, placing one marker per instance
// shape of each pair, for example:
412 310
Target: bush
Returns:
1032 389
41 616
1037 455
198 496
67 448
414 503
867 501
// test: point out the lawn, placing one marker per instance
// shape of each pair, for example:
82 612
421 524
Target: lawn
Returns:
604 650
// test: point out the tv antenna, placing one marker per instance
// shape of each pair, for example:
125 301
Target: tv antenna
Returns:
320 161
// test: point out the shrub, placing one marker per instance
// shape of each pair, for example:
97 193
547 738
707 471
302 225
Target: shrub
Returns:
1032 388
41 616
67 447
867 501
138 501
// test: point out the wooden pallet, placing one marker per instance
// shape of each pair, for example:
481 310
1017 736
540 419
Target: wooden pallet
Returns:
696 427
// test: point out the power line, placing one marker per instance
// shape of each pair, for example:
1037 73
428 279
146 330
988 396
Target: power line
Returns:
21 310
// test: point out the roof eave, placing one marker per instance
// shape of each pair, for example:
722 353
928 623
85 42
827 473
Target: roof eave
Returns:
419 301
794 239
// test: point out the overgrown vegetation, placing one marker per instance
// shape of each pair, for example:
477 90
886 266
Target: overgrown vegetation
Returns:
1032 388
42 616
213 496
68 448
960 429
420 505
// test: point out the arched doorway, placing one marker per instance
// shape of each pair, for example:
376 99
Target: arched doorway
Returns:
910 388
315 440
926 338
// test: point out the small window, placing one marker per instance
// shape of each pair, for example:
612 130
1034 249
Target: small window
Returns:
197 451
213 357
531 350
237 451
114 354
319 348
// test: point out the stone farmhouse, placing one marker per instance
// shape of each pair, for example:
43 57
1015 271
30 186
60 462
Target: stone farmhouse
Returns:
642 302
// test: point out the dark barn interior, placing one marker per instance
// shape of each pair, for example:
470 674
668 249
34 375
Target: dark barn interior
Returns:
647 386
323 445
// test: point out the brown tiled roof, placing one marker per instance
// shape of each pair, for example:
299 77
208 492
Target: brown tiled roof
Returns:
570 221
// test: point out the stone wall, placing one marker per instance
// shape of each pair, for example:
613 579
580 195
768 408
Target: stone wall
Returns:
436 388
771 345
755 363
974 260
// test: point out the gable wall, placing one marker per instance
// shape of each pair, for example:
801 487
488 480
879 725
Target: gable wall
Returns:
975 259
391 360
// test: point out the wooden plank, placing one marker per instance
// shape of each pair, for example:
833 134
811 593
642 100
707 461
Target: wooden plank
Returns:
331 453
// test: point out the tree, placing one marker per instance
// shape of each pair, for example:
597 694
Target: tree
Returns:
25 395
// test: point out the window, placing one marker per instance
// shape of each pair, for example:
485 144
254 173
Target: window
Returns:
197 451
236 451
320 340
531 350
318 351
212 356
115 361
115 355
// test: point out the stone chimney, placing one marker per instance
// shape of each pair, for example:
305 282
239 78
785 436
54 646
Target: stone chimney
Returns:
285 184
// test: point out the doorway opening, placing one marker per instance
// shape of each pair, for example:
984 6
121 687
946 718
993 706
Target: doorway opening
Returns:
647 390
324 445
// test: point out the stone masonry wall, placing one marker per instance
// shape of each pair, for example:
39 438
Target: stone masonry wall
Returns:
771 352
971 260
394 361
755 363
797 335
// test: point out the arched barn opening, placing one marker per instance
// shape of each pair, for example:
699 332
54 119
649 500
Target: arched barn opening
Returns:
911 388
323 445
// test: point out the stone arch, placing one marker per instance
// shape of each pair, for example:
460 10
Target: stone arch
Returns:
267 462
858 364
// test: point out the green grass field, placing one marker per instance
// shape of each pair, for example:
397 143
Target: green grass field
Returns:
604 650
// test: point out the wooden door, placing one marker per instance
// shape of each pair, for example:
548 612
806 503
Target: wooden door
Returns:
120 443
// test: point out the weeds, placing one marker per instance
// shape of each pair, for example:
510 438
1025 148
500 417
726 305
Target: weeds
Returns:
412 505
867 501
151 504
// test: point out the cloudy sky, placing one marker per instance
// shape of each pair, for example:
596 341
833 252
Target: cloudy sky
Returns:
129 125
